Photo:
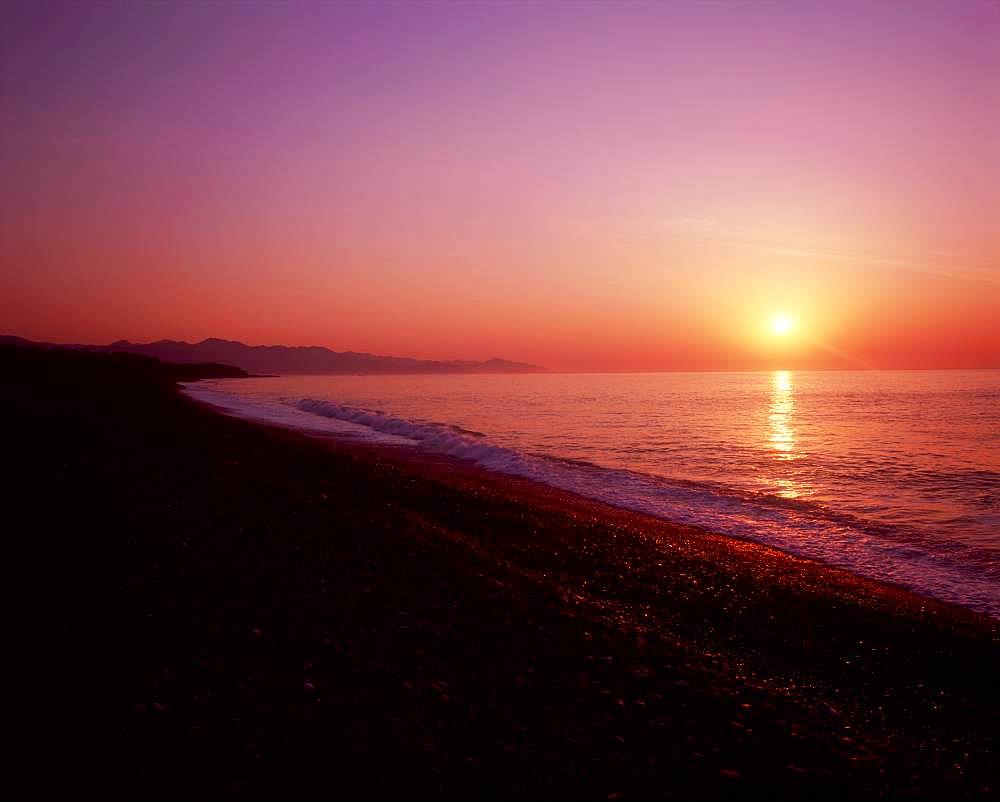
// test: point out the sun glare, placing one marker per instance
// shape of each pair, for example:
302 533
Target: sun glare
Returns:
781 324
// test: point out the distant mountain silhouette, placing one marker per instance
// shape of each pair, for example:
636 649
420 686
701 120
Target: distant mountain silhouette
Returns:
57 362
283 359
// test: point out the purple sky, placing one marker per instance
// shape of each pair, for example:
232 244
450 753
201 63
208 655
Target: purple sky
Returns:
582 185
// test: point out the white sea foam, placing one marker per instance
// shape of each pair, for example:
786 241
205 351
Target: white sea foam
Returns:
277 413
439 438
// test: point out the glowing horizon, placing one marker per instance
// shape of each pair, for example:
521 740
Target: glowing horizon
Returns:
586 187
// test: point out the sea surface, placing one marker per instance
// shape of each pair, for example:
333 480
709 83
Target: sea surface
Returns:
892 475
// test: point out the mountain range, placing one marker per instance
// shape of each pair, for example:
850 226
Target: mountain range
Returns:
285 359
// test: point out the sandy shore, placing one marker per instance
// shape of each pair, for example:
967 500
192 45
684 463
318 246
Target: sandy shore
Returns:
230 609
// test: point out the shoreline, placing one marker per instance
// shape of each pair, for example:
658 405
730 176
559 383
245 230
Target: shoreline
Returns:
464 473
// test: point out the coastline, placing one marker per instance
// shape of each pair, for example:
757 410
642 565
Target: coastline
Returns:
461 473
648 535
289 616
453 472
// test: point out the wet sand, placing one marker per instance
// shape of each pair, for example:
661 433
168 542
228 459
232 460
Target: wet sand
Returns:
224 608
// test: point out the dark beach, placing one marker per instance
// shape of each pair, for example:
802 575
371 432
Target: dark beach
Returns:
217 608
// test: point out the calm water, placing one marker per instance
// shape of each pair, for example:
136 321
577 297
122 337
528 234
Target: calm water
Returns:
894 475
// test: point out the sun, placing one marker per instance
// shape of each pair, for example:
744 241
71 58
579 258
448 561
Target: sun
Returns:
782 324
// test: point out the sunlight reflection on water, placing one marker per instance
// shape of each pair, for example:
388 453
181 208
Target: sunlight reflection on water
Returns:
781 434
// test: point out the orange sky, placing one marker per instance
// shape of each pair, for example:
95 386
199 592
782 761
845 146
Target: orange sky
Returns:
590 188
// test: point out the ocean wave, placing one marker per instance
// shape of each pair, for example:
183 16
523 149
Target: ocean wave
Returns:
452 441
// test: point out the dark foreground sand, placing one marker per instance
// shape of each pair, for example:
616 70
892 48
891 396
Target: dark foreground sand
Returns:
218 608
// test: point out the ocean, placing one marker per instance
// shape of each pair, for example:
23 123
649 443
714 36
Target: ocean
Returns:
894 475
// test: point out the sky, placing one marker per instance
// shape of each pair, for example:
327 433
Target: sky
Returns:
585 186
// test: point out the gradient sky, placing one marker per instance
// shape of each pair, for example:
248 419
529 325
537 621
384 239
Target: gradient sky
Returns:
584 186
